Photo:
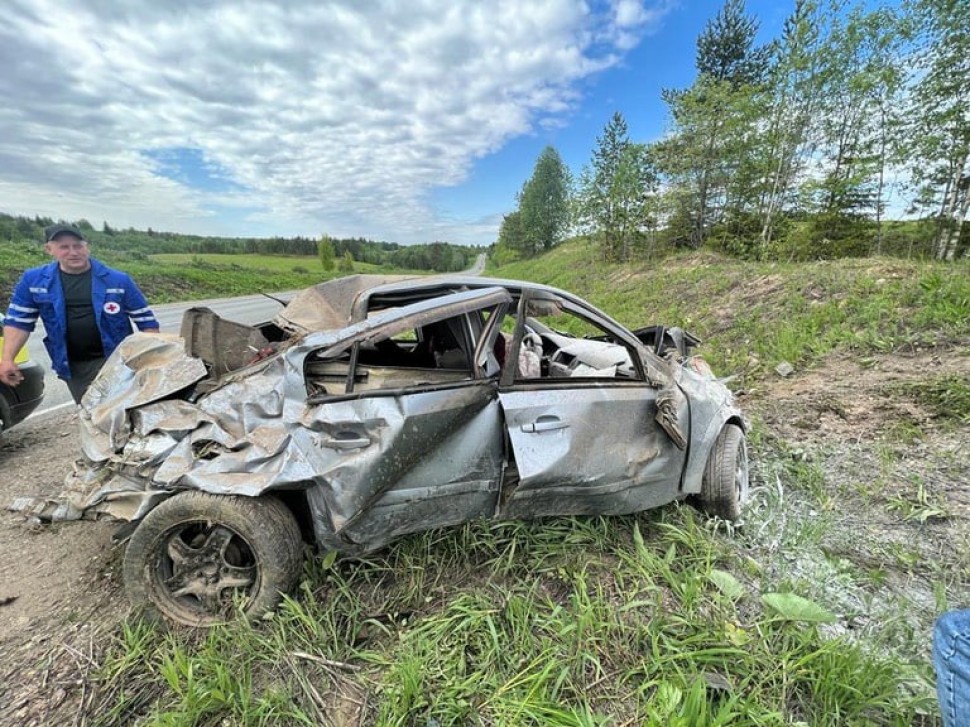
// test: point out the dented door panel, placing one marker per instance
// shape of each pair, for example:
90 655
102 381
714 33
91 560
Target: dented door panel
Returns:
391 464
588 449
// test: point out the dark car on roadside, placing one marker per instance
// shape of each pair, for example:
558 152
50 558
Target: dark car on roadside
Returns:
372 407
17 402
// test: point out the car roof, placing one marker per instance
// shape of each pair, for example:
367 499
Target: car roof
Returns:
333 304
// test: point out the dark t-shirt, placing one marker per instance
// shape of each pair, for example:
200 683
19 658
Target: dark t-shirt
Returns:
83 336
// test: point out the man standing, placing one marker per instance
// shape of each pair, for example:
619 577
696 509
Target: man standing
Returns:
87 309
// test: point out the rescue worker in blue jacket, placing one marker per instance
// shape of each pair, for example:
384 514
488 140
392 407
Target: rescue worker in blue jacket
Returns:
87 309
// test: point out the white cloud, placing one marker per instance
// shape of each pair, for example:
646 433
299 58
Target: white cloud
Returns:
336 117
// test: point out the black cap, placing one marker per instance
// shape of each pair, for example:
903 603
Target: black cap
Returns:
54 230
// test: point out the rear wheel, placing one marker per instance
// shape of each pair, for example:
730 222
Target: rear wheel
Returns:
725 485
200 559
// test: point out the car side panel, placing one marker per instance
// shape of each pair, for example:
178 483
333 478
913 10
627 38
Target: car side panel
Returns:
398 462
590 448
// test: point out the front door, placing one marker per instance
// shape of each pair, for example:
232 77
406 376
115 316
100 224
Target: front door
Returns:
582 423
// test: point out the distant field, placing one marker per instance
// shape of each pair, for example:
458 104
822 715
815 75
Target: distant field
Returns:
175 277
274 263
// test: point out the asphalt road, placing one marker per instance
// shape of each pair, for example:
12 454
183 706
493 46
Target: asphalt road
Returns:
249 309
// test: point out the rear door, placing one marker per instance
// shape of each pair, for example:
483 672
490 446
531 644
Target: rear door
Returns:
401 442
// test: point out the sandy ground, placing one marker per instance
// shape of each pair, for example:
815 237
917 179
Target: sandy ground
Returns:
60 591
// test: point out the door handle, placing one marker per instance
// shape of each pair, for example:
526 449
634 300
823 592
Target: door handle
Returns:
353 441
545 424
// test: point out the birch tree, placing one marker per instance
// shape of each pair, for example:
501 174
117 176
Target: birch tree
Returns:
544 203
795 92
940 128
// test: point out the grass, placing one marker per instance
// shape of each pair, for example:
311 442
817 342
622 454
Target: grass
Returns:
946 397
174 277
753 316
263 263
658 619
593 621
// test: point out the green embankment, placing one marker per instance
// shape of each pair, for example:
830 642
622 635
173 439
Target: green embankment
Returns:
753 316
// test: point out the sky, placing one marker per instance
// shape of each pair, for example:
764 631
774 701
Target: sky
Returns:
399 120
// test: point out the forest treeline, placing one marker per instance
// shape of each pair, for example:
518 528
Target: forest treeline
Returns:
795 149
435 256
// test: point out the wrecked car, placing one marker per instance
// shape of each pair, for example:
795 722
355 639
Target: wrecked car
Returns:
372 407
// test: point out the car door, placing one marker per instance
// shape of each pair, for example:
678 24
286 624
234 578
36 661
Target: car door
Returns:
398 447
583 433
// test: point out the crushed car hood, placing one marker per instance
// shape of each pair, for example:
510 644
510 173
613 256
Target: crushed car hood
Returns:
248 435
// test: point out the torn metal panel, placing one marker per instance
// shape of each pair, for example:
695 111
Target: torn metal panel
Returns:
224 345
238 438
712 405
146 367
92 494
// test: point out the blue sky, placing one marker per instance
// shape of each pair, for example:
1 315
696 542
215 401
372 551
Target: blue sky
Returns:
408 122
663 58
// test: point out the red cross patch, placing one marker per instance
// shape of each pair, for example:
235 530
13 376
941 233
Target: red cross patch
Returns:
111 307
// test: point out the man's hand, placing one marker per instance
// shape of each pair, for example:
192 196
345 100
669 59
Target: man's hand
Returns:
10 373
14 339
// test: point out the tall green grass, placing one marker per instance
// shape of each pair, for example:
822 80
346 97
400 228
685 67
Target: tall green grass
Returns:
753 316
600 621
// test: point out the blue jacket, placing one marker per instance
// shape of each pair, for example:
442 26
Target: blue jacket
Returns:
116 299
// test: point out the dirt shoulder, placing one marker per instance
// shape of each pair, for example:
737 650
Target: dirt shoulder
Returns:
60 593
864 502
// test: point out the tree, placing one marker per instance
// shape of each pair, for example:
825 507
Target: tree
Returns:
598 207
511 239
635 195
725 48
711 116
616 191
859 79
940 129
544 204
795 94
347 262
325 252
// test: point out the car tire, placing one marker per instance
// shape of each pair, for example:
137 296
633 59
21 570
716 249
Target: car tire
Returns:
725 485
200 559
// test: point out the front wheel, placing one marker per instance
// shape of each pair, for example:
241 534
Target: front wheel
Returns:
725 485
199 559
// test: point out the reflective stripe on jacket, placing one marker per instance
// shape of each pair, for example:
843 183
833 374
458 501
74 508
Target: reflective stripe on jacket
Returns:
116 299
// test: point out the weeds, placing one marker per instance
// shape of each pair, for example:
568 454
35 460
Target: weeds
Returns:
946 397
918 507
658 627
